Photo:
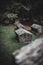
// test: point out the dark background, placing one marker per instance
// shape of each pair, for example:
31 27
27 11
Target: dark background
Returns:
36 10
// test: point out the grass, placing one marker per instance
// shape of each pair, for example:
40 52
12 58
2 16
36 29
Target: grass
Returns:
8 38
8 43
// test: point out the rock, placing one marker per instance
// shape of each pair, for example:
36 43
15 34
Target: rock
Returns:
31 54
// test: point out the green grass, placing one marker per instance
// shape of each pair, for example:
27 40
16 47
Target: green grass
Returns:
9 43
8 38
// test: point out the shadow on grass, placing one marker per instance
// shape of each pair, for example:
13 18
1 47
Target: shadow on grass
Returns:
5 57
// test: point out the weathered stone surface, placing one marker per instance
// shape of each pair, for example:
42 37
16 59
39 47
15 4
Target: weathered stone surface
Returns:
31 54
23 35
38 28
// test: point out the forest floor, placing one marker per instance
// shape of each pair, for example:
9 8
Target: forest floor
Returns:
9 43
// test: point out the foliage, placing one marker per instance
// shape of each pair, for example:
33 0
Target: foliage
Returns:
31 9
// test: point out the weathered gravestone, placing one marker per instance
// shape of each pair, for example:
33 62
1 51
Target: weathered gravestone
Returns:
23 35
37 28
